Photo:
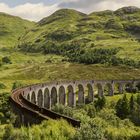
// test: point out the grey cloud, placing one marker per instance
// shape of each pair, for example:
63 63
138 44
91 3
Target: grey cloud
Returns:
97 5
79 3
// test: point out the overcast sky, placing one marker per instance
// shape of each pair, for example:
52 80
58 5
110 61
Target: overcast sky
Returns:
37 9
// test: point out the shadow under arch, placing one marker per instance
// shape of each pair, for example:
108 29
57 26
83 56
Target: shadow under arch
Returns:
53 96
28 97
81 96
100 90
71 96
46 98
62 95
108 89
40 98
90 95
33 97
119 88
128 87
138 86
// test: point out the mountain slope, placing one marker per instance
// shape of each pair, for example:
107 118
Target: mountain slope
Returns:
67 30
11 28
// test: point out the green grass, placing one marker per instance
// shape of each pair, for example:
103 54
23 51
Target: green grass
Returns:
115 98
35 68
93 27
30 68
11 28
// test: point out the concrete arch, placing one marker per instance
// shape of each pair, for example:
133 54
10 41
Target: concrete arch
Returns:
40 98
109 89
100 89
71 96
46 98
81 96
90 93
62 95
53 96
33 97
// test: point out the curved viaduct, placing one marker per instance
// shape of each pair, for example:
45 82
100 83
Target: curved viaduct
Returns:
35 102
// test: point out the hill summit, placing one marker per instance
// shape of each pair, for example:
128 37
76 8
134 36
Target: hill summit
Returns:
68 14
79 36
128 10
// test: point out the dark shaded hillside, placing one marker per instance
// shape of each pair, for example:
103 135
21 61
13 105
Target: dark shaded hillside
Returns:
80 37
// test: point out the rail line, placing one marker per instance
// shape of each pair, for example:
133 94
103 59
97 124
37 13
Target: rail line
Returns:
20 103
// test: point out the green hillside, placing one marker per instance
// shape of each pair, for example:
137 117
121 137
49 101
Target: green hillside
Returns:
70 45
79 36
11 29
68 37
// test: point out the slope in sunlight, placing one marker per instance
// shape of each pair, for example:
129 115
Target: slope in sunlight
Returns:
57 33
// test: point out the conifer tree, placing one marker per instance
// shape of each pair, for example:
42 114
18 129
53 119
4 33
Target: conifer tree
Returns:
132 103
122 107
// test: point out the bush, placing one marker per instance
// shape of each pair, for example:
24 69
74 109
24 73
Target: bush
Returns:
17 85
91 130
100 103
91 110
6 60
61 35
63 110
122 107
47 130
2 86
112 24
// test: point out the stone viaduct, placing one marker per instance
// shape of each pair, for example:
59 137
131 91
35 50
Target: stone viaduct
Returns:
72 93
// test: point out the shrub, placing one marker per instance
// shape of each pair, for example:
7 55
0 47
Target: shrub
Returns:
112 24
91 110
16 85
91 130
122 107
2 86
61 35
100 103
6 60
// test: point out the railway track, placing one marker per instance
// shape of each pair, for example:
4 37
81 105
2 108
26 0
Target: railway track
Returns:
18 100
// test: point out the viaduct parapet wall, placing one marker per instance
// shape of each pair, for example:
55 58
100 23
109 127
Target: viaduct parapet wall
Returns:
72 93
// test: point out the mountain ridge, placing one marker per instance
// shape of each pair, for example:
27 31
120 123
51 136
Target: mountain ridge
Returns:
57 33
74 34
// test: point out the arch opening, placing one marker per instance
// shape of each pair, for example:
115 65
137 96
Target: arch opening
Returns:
129 87
138 86
40 98
46 98
108 89
33 98
90 92
100 89
28 96
62 96
81 96
71 98
53 97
